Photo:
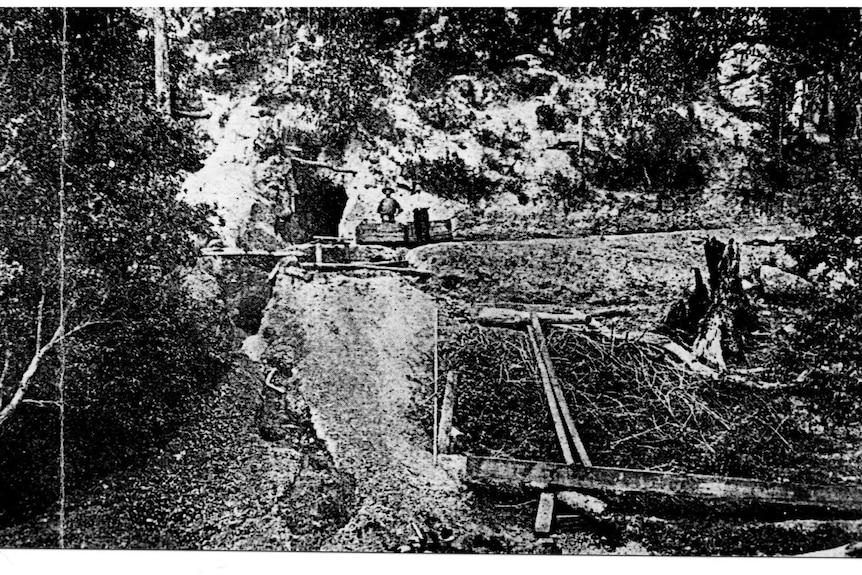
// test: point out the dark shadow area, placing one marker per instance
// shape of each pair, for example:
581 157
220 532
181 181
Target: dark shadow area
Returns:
319 206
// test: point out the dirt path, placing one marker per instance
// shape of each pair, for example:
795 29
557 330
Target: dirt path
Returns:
369 342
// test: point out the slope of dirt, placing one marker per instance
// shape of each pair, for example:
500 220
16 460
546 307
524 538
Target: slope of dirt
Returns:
643 272
367 343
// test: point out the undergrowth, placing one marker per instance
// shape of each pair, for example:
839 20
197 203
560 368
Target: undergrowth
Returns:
633 409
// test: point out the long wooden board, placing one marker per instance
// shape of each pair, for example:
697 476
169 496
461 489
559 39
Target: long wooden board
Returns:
551 398
237 252
543 356
557 476
381 233
357 266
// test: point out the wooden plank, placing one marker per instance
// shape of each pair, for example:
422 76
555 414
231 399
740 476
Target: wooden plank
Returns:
545 514
440 230
357 266
330 239
540 346
551 398
381 233
447 413
237 252
556 476
556 309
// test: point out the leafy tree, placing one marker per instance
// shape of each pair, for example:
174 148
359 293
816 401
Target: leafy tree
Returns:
138 346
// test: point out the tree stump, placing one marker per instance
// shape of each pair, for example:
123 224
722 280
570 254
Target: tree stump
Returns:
715 320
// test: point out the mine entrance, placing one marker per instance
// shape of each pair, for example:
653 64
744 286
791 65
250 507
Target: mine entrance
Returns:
320 202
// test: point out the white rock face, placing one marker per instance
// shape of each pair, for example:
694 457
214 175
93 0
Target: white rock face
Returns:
743 77
779 284
227 177
253 346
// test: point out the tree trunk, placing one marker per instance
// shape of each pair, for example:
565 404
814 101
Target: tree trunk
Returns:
720 333
162 62
716 319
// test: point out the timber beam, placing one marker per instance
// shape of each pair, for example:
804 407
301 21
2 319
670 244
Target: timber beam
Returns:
560 477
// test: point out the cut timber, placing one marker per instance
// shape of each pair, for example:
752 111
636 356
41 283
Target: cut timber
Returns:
438 231
237 252
546 368
447 413
553 406
381 233
504 317
545 514
356 266
557 476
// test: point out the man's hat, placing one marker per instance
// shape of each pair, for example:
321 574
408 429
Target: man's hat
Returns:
388 189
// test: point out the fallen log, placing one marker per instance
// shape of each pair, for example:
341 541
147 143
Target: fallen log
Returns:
560 477
506 317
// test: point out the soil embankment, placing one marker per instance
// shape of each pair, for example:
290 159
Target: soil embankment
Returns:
368 342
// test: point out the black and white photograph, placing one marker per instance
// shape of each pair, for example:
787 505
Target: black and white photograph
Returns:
432 280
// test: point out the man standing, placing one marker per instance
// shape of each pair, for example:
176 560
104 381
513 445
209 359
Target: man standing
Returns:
389 207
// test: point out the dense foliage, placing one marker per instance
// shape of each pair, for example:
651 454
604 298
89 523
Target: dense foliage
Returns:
127 242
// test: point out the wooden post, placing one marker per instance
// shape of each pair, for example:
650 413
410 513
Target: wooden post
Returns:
545 514
580 141
436 330
162 62
447 413
291 62
318 253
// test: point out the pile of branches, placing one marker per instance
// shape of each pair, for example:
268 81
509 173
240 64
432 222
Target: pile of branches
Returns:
633 408
636 409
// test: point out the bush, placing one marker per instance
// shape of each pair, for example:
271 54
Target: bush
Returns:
828 339
127 241
573 195
446 114
549 118
451 178
666 156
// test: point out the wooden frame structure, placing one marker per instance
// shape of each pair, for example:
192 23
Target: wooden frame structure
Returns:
582 476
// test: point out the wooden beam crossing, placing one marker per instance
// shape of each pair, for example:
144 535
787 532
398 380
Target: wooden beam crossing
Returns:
546 368
550 396
556 477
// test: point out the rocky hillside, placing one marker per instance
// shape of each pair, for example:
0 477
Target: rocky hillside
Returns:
531 142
